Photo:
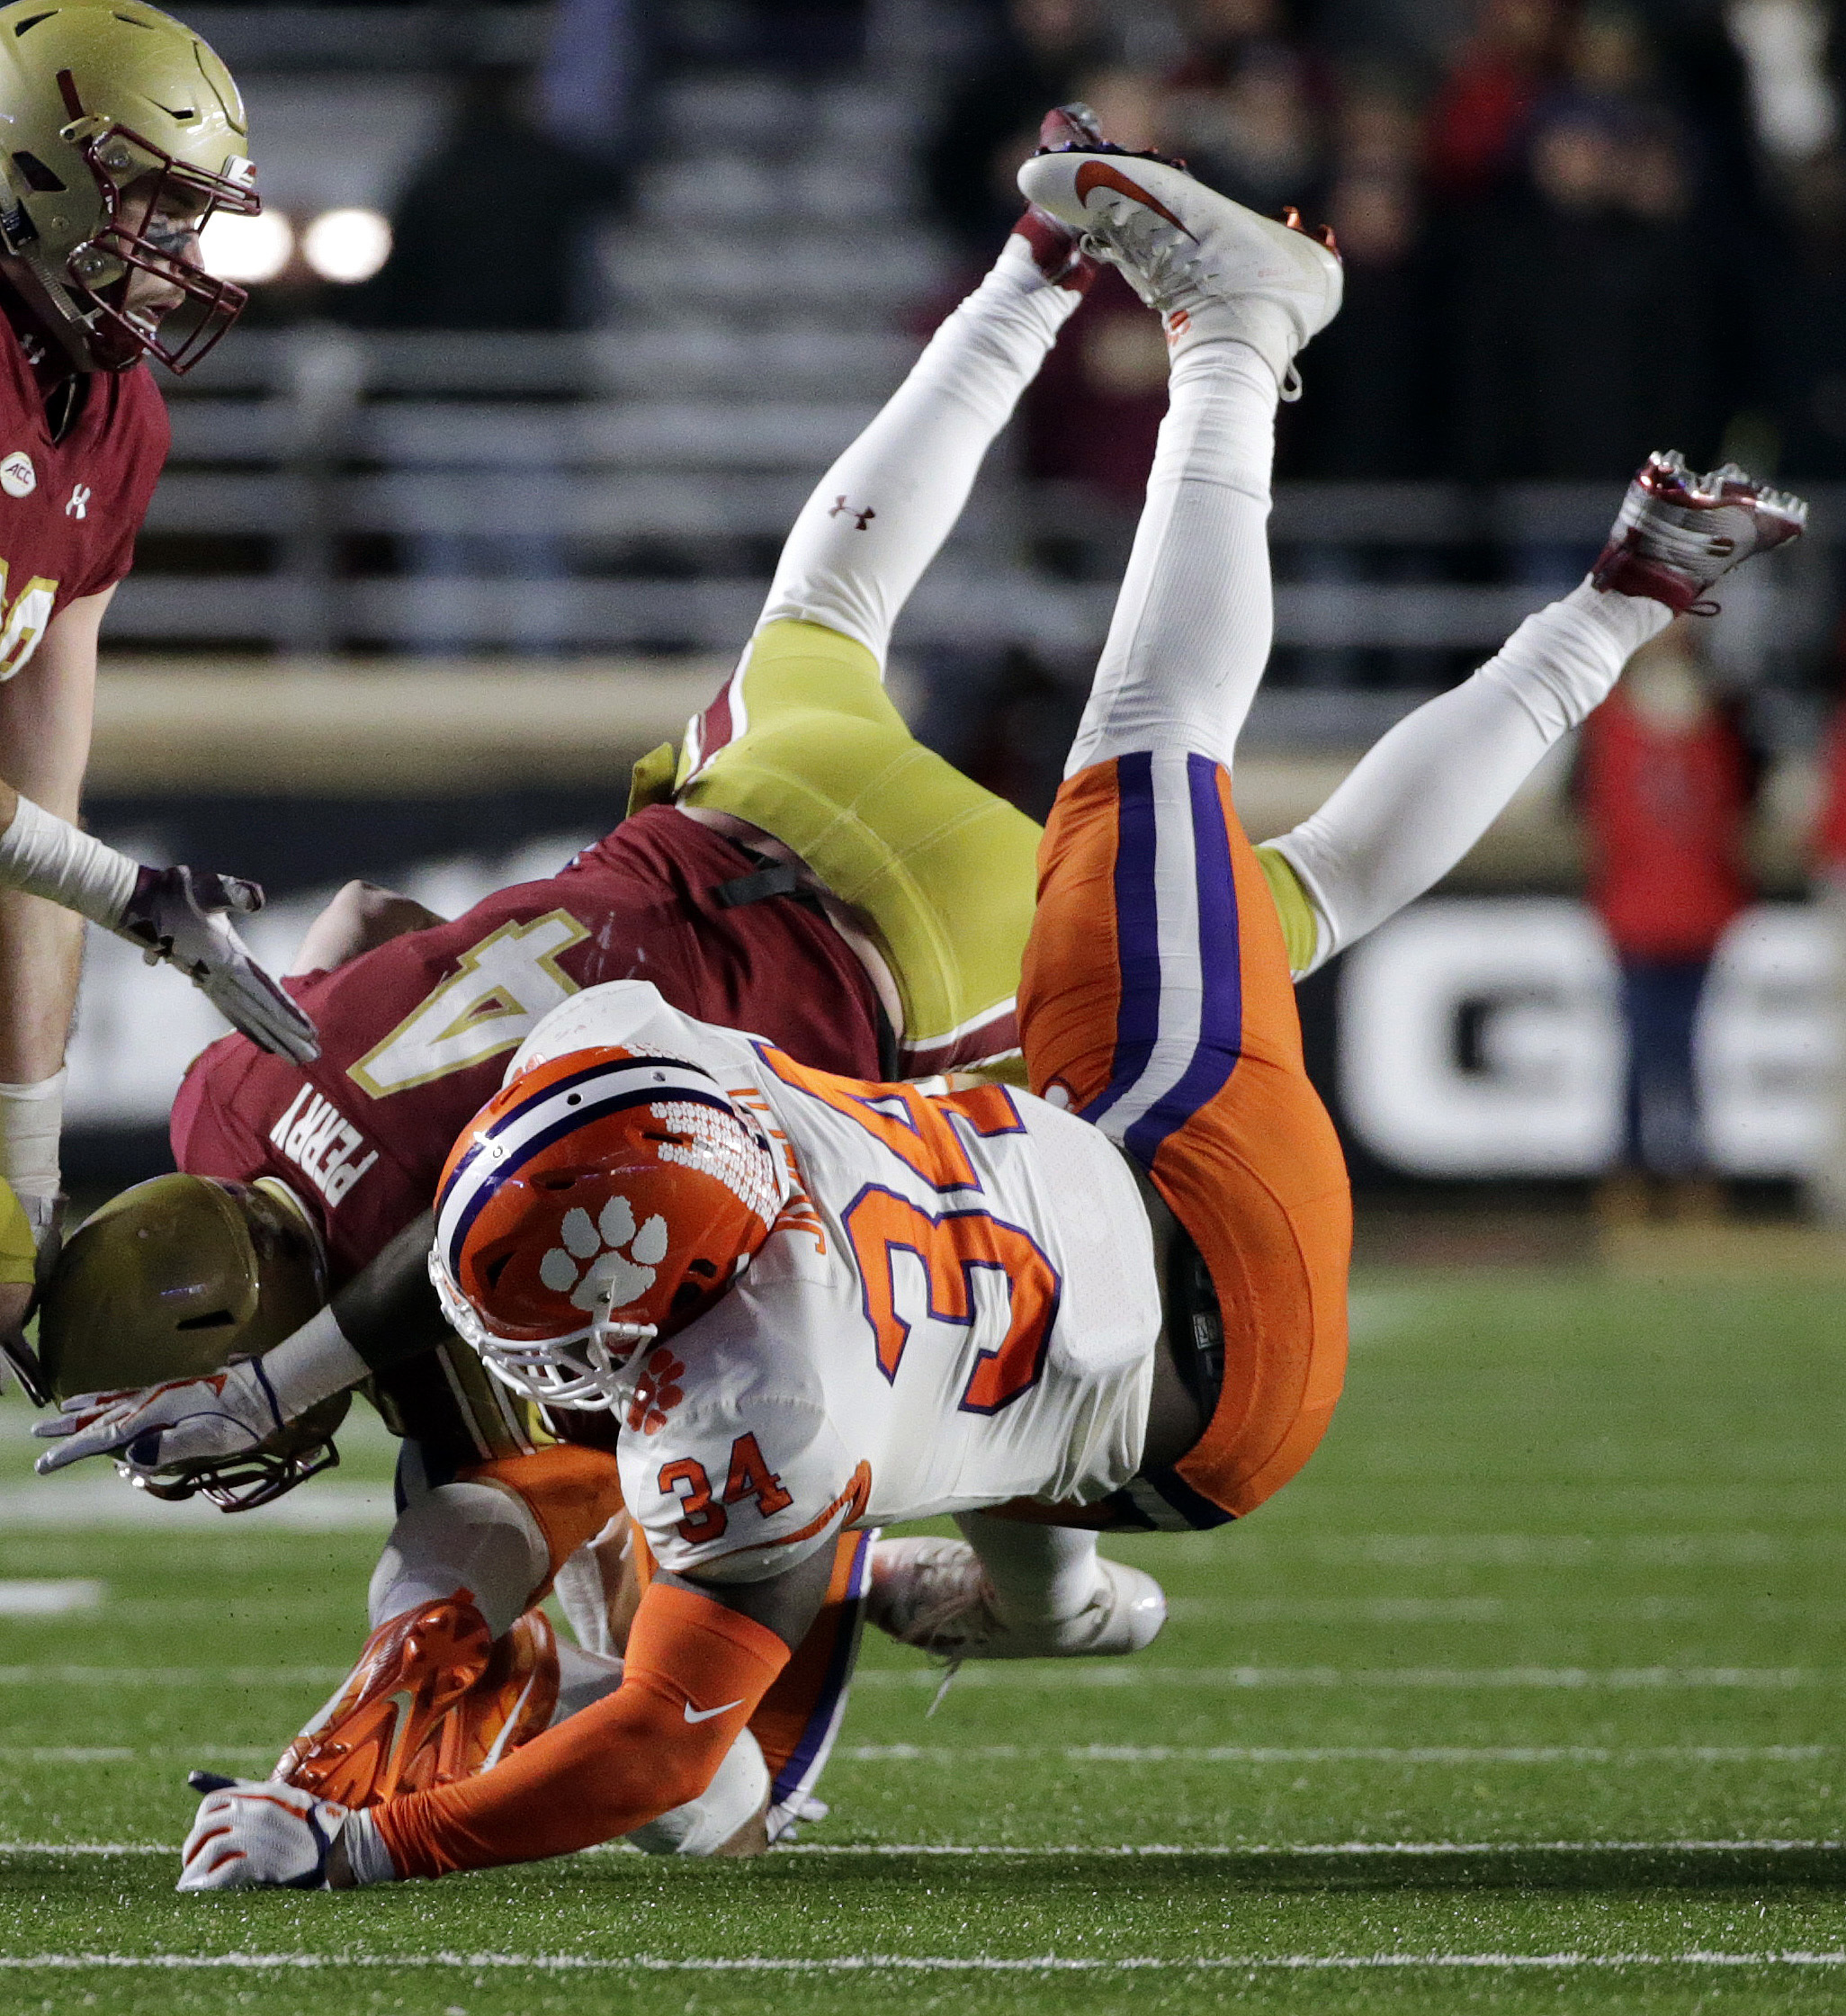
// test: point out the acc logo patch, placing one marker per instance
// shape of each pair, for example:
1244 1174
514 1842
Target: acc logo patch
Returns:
18 477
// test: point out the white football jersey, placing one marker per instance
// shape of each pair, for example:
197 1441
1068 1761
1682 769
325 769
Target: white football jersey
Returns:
958 1306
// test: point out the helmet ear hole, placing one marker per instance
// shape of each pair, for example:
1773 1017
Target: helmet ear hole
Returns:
217 1319
37 175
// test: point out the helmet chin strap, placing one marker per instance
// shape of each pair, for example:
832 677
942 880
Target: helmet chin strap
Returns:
52 319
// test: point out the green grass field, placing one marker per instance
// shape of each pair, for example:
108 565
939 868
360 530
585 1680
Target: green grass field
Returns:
1526 1696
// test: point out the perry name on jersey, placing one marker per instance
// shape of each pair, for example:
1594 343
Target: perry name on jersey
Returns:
958 1306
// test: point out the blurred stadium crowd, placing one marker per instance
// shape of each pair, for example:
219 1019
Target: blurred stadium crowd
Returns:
1573 231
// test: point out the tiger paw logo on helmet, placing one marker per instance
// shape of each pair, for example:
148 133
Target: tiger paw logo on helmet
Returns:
613 1277
603 1199
657 1393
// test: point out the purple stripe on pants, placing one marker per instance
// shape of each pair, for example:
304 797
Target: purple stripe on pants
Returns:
1220 971
807 1754
1137 932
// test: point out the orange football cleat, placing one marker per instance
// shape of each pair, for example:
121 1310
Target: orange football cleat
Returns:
507 1706
432 1698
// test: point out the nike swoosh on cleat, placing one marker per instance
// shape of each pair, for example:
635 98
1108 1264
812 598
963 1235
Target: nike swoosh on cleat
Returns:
705 1715
1105 175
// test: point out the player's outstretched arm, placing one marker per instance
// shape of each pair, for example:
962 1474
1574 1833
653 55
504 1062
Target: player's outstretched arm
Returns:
386 1314
180 915
699 1658
1421 797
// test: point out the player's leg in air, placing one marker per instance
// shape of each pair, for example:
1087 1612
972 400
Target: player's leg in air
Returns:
804 744
804 758
1173 1029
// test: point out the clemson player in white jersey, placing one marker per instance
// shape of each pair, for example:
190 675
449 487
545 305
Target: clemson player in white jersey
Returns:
819 1303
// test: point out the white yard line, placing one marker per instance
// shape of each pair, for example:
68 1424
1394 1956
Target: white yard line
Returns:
1614 1678
171 1676
906 1963
87 1504
1231 1753
49 1599
1361 1847
937 1755
1063 1676
1725 1549
1217 1850
192 1754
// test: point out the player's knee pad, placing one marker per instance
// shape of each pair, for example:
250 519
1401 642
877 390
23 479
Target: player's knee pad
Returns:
469 1536
703 1825
572 1493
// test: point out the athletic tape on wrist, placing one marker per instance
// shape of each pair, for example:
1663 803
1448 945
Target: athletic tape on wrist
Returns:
47 856
367 1856
311 1365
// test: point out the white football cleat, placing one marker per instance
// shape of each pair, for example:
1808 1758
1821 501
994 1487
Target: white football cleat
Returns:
934 1595
251 1834
1677 532
1213 270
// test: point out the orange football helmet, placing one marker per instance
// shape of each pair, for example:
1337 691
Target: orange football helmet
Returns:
595 1203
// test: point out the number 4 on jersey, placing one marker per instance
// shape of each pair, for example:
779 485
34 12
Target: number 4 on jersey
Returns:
486 1007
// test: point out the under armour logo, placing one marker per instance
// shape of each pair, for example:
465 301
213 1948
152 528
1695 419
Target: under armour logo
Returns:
79 505
864 518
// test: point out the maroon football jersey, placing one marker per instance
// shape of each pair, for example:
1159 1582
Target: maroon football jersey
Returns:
69 510
415 1036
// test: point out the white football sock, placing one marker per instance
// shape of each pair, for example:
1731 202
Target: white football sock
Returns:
1040 1574
1420 798
457 1536
880 513
1194 622
31 1119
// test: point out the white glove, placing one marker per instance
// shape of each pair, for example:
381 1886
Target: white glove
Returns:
258 1834
183 915
147 1429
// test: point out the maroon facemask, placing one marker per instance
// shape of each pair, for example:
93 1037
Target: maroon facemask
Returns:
183 333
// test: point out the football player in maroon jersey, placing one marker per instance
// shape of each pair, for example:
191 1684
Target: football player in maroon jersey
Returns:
123 134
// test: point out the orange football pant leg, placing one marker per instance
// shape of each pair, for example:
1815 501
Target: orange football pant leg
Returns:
1156 1001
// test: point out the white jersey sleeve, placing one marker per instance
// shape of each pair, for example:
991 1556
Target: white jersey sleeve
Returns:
738 1472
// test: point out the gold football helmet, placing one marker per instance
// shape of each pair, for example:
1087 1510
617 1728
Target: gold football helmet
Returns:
173 1280
123 133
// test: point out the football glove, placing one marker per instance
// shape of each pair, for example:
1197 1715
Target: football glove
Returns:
257 1834
183 915
149 1428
